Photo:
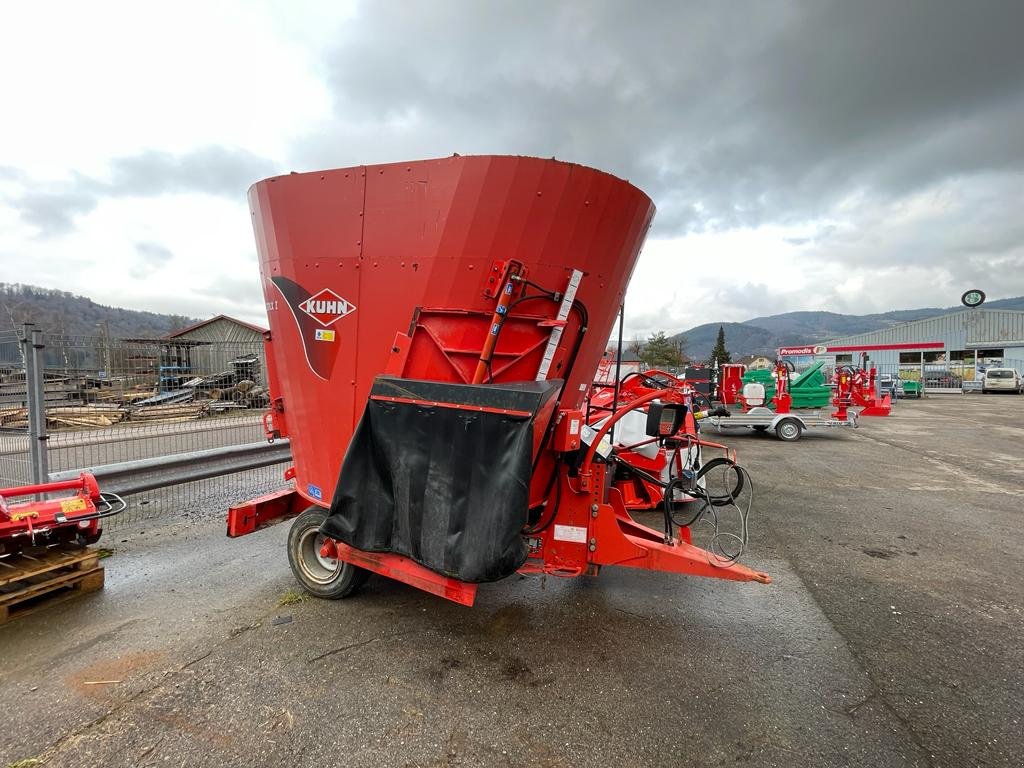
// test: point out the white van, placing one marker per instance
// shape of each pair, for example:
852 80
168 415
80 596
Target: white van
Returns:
1001 380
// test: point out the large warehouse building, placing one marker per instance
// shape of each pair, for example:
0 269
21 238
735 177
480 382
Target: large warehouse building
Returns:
942 351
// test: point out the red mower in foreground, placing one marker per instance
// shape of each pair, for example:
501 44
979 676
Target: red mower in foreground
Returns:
435 330
44 522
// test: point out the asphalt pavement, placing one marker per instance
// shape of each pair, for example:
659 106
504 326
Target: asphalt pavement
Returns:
890 636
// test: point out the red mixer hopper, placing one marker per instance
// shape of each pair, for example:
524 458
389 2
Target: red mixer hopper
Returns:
500 277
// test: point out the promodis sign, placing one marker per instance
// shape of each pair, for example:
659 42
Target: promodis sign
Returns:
820 350
784 351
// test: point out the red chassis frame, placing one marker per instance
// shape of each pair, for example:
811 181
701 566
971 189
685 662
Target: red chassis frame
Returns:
590 527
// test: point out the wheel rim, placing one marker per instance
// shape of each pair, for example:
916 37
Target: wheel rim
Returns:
789 430
314 566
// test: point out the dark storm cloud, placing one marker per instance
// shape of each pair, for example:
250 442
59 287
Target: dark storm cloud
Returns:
729 114
892 131
149 258
53 213
214 170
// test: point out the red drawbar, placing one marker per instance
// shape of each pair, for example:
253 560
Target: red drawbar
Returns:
260 512
402 569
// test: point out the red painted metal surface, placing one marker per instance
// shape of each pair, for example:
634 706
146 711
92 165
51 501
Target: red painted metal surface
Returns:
453 270
782 399
842 399
22 521
455 406
402 569
910 345
731 383
260 512
861 388
392 238
637 492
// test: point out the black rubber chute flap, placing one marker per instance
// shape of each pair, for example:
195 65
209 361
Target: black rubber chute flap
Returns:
440 473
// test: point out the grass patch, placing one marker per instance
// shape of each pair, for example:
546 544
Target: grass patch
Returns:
102 553
28 762
293 597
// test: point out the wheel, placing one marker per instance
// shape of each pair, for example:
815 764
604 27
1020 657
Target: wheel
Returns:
760 428
788 430
91 538
320 576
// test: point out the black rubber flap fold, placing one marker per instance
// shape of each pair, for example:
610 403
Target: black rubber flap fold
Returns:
446 486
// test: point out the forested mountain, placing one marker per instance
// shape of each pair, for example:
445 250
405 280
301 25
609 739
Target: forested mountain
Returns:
763 335
65 313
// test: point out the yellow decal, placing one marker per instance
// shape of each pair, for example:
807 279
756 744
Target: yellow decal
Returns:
72 505
323 334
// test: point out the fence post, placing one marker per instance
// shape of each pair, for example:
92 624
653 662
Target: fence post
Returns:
35 400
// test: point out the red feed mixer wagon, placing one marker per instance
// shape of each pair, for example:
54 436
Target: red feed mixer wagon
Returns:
435 327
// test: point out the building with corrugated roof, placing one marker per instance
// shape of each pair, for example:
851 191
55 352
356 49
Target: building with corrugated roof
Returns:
216 345
222 329
943 350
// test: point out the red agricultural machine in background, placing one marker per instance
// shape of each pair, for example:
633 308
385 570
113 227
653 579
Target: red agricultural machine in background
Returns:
781 400
73 519
863 388
435 330
730 382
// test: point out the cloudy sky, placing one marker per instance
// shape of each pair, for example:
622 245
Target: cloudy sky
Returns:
849 156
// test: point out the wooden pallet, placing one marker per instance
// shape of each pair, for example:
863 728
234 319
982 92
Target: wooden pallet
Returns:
36 579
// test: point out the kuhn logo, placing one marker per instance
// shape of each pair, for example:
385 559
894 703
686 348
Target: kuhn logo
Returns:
327 307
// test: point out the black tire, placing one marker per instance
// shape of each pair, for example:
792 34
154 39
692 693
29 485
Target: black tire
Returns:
92 538
789 430
329 579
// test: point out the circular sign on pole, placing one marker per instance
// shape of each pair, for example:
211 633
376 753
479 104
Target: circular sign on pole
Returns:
973 298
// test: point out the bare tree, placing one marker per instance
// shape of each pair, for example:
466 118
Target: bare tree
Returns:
636 346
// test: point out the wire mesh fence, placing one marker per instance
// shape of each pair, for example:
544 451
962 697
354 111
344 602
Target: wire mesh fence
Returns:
957 376
115 400
14 464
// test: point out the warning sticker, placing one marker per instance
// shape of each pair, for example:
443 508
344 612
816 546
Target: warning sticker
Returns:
571 533
72 505
322 334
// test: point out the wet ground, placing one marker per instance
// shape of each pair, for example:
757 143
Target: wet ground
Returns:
892 634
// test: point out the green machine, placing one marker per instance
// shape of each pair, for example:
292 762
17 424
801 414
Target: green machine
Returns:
808 389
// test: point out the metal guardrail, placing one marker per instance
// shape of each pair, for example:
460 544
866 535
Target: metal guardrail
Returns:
163 471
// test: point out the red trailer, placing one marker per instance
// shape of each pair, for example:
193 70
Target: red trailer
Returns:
435 327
